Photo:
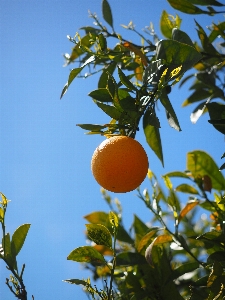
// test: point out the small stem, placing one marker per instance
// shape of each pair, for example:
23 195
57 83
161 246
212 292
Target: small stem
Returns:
114 263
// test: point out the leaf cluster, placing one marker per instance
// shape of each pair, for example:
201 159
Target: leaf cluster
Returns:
156 261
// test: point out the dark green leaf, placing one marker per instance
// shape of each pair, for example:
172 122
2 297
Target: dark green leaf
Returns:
207 46
73 74
152 136
216 256
129 259
171 115
107 13
86 254
217 112
92 127
103 80
199 163
196 96
185 268
110 110
127 102
125 80
18 238
77 282
101 94
177 54
102 42
181 36
185 6
99 234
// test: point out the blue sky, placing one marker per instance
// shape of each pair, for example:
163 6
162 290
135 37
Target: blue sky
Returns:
45 157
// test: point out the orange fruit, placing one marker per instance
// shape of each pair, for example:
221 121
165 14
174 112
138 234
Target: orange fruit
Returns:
119 164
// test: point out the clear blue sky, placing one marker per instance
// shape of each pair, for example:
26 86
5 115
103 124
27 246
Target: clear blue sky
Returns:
45 158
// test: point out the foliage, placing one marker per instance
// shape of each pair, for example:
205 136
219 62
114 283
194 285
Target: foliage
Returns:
161 261
156 260
9 250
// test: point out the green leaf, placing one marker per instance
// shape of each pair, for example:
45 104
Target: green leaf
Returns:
125 80
92 127
216 256
188 207
110 110
152 135
77 282
113 219
77 50
103 80
196 96
171 115
103 218
129 259
107 13
185 268
199 163
74 73
216 112
102 42
177 174
177 54
186 188
185 6
97 217
146 239
167 23
99 234
181 36
86 254
9 257
1 214
18 238
126 102
101 94
167 182
207 46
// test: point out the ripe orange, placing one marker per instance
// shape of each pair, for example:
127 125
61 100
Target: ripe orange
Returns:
119 164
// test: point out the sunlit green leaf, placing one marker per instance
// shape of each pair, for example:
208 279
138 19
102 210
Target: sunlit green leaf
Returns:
145 240
207 46
152 135
99 234
77 50
167 182
86 254
177 54
18 238
186 188
1 214
113 219
167 23
188 207
97 217
177 174
199 163
107 13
